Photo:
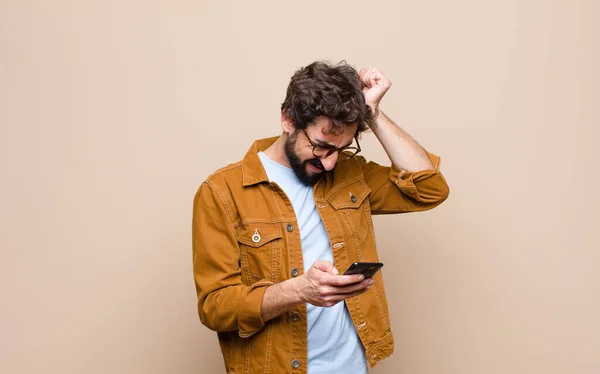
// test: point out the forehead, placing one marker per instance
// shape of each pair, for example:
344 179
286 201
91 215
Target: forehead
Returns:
324 130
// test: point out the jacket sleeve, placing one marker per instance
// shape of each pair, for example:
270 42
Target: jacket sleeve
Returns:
399 191
224 302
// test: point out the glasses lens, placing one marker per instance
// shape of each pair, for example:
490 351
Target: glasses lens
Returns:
349 153
322 151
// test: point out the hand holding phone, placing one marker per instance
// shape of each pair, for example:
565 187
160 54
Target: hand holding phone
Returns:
322 286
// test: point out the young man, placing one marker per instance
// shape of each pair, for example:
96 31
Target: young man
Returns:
273 233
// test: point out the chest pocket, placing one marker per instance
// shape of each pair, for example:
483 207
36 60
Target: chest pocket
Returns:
351 203
260 250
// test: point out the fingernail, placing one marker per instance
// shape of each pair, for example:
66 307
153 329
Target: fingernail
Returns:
335 271
361 277
371 282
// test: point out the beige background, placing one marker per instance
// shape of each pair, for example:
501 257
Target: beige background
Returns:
113 112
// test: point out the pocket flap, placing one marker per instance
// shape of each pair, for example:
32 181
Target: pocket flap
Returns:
350 196
258 233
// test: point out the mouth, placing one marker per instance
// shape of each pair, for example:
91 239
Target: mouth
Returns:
316 165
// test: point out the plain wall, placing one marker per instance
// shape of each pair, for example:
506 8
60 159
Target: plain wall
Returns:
113 112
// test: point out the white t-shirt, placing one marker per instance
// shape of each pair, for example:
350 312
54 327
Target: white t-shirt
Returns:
333 344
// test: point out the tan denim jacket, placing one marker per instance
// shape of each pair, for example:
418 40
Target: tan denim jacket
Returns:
246 237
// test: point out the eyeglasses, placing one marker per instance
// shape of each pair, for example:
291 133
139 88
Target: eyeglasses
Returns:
322 151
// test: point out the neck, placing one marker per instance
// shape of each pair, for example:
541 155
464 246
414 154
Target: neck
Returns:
276 151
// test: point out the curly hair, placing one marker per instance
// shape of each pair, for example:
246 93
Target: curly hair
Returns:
323 89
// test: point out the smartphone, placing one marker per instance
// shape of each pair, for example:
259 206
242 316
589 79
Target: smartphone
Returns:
368 269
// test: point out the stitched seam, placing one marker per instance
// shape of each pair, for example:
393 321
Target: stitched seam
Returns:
369 219
223 170
374 351
413 187
248 356
259 220
286 247
265 240
365 191
355 236
215 190
258 277
253 247
329 229
344 184
274 262
361 257
385 320
345 205
245 265
268 353
375 346
230 363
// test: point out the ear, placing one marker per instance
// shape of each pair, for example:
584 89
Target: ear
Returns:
287 125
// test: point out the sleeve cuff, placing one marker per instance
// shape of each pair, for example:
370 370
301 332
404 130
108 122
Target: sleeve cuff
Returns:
249 309
423 185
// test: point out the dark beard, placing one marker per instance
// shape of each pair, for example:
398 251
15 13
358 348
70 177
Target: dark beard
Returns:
299 166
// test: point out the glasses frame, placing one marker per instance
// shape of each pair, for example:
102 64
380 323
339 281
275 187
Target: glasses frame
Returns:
331 149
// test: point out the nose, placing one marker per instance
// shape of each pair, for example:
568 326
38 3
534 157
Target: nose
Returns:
330 161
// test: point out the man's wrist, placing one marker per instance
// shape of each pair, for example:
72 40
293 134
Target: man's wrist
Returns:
293 288
377 114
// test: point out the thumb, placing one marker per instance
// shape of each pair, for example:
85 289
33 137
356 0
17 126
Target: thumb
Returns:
326 266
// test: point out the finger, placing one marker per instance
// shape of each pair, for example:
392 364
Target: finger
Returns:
355 286
343 296
362 74
376 76
367 77
326 292
354 294
325 266
342 280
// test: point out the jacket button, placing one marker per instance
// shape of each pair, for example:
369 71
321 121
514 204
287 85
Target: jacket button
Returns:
290 228
295 317
353 198
295 364
295 272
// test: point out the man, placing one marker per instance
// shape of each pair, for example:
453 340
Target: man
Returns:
273 233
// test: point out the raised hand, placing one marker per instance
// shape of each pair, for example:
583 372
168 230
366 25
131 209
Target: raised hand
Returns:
375 85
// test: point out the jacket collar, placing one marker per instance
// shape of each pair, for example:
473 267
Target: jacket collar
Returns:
253 171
